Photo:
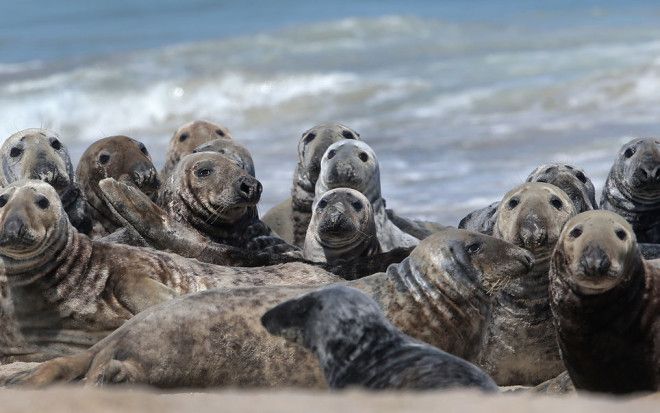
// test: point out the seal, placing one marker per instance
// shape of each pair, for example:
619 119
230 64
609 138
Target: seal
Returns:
632 188
439 294
122 158
187 138
353 164
232 150
357 346
40 154
605 300
290 218
69 291
521 347
342 227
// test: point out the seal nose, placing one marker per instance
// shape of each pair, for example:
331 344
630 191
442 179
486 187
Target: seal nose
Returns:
649 173
146 176
249 188
532 233
595 261
14 227
45 171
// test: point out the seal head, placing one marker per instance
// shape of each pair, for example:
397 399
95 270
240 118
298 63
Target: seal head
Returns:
342 227
231 150
573 181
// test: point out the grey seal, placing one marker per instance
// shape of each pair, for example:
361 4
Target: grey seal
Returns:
357 346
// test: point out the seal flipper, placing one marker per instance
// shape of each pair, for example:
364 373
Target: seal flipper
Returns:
62 369
139 294
417 228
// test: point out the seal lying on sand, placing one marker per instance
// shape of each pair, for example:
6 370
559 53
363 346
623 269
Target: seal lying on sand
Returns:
69 291
123 159
342 227
40 154
232 150
438 295
606 304
357 346
353 164
290 218
187 138
573 181
521 348
632 189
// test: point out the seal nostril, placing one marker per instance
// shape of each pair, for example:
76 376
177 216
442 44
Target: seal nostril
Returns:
331 154
364 157
245 188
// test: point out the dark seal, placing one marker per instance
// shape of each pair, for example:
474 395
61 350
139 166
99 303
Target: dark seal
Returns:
357 346
606 303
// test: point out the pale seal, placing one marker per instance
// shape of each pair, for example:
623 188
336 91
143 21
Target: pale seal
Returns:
606 304
632 188
232 150
353 164
122 158
573 181
357 346
290 218
214 338
521 347
69 291
187 138
342 227
40 154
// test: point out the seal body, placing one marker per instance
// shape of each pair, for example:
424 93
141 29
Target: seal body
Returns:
122 158
232 150
521 347
69 291
40 154
353 164
632 188
438 295
606 302
342 227
187 138
357 346
290 218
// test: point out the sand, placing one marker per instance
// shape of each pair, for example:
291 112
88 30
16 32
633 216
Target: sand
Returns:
78 399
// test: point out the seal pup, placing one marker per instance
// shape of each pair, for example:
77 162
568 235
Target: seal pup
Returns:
69 291
632 188
573 181
439 295
606 300
357 346
342 227
232 150
353 164
290 218
521 347
187 138
40 154
119 157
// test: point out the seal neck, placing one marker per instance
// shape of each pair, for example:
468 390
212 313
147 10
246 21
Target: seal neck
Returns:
619 196
527 296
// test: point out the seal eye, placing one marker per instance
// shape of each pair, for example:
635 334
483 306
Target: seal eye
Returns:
143 149
104 158
310 137
219 132
575 232
3 200
183 137
513 202
473 248
620 234
203 172
55 144
364 157
347 134
322 204
579 175
331 154
357 205
42 202
629 152
15 152
556 202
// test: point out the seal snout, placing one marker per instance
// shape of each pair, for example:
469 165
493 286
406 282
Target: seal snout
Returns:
595 262
248 189
532 233
648 173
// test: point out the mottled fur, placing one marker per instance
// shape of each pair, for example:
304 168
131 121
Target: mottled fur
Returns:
232 150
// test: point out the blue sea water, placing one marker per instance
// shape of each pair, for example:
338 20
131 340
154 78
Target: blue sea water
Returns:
460 99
